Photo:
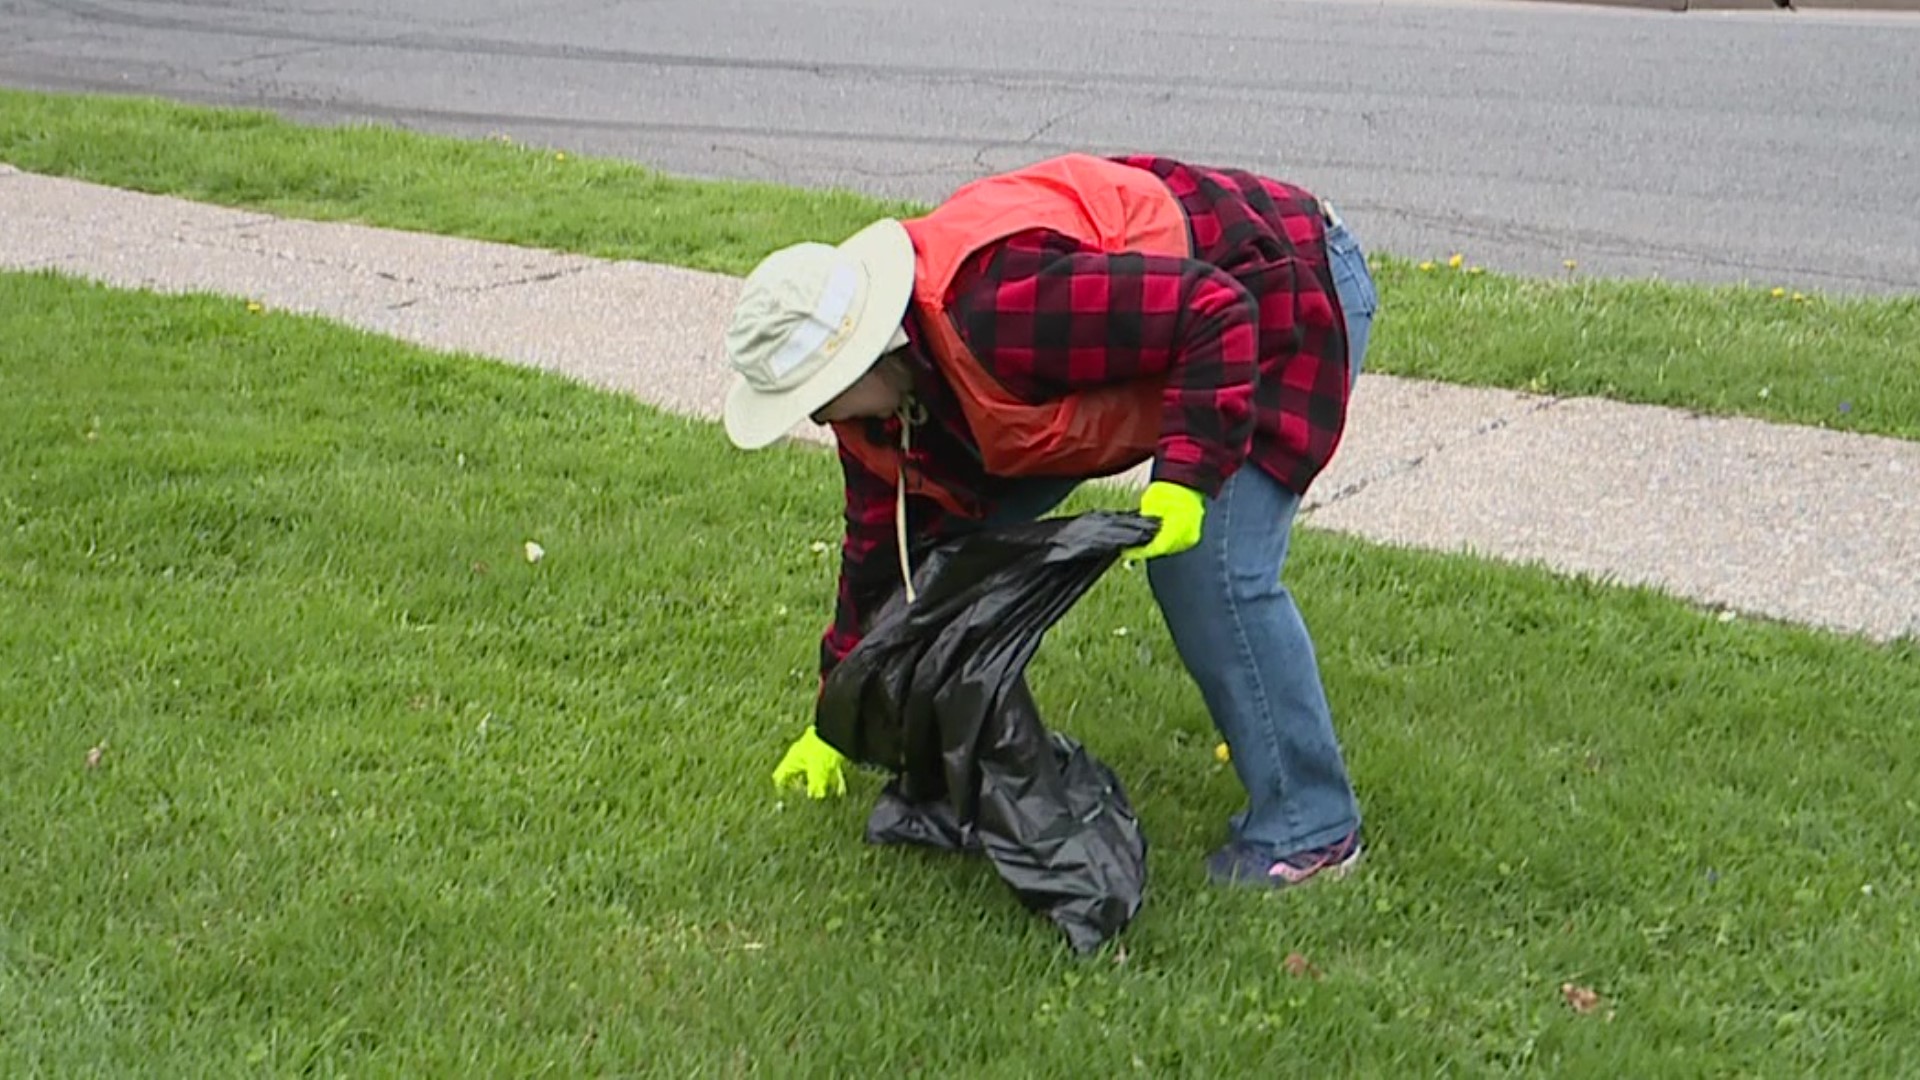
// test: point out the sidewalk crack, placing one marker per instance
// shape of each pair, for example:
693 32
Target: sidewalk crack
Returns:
491 286
212 239
1407 465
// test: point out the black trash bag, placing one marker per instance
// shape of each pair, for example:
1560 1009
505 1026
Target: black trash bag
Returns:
936 692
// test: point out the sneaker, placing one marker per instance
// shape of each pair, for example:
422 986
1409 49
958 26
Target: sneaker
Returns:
1241 864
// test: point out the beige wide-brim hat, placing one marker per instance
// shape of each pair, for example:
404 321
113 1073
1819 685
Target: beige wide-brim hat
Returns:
811 320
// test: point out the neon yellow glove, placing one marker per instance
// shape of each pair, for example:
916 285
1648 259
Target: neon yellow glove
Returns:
1180 510
811 760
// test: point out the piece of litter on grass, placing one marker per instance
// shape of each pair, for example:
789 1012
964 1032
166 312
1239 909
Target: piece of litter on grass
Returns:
94 755
535 552
1579 998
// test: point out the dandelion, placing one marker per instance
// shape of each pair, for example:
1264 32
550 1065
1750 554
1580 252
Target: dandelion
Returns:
1779 292
1426 266
1456 260
1221 754
1799 298
559 157
1476 269
1571 265
253 306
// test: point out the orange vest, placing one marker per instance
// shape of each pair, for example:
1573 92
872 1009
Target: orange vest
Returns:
1095 432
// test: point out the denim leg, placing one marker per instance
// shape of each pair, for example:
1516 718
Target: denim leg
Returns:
1243 641
1353 283
1029 499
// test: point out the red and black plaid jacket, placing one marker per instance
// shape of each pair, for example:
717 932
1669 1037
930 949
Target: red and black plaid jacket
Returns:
1248 333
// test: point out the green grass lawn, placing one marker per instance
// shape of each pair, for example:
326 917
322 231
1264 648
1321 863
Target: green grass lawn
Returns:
376 795
1849 364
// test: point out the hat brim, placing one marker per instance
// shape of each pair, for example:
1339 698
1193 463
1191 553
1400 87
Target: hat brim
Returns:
756 419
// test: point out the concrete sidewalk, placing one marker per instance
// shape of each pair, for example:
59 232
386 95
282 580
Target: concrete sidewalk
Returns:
1787 522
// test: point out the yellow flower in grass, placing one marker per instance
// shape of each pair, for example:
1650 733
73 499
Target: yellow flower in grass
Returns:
1456 260
1427 266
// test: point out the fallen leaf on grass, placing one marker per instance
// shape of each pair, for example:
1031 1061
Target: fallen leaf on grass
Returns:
1299 967
1579 998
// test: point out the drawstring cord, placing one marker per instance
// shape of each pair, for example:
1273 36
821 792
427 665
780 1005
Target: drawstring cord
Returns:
910 414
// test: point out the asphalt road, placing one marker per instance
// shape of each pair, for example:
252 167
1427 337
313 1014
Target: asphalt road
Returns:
1772 147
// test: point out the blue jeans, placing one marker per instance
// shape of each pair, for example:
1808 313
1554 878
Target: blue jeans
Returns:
1240 635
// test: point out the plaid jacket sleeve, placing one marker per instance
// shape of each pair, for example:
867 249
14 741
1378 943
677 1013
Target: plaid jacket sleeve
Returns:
1048 316
869 560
